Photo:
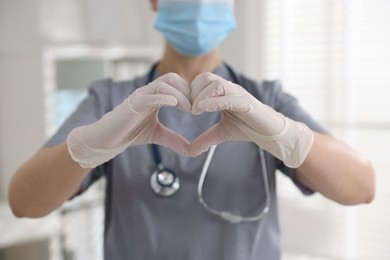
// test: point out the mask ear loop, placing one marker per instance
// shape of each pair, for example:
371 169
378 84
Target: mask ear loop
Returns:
226 215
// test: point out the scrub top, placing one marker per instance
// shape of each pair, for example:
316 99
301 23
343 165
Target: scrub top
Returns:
141 225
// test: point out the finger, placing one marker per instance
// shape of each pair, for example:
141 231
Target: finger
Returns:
183 102
226 129
224 103
216 86
168 138
201 82
146 102
174 80
214 89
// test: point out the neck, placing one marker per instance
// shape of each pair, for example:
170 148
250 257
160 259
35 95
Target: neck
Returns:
186 66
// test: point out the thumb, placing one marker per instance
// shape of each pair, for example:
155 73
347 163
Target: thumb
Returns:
214 135
225 130
168 138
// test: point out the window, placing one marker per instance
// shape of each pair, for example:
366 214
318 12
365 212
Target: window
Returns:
334 55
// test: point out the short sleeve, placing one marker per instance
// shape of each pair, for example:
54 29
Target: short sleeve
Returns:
272 94
91 109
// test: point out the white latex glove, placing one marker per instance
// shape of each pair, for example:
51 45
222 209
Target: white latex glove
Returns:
133 122
245 118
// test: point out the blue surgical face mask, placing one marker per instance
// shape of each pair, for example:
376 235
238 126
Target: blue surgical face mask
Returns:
195 28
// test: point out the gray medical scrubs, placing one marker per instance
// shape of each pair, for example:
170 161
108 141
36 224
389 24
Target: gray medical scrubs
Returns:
142 225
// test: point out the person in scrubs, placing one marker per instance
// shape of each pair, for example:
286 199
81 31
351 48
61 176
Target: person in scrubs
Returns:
188 102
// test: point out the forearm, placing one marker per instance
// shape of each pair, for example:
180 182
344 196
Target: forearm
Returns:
44 182
337 171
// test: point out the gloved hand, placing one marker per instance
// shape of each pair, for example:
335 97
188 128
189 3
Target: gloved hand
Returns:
245 118
133 122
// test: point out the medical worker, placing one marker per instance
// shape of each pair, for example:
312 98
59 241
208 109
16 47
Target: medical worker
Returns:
187 103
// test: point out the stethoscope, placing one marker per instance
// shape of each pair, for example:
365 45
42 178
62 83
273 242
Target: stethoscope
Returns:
164 182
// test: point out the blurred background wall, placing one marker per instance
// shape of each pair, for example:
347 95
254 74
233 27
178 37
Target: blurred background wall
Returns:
26 27
332 54
27 30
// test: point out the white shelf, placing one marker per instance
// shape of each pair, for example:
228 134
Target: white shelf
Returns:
111 58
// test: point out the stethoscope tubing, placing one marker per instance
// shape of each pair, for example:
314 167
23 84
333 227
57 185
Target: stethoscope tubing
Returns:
226 215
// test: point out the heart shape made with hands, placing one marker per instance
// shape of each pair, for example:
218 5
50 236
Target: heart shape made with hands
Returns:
243 118
207 93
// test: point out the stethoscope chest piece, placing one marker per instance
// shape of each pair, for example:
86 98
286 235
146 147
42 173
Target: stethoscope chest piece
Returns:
164 182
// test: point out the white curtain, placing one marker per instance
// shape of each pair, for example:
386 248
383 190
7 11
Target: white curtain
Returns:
334 55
